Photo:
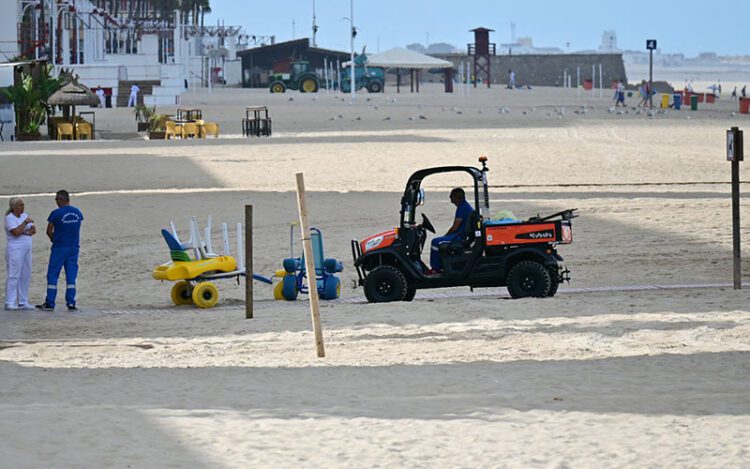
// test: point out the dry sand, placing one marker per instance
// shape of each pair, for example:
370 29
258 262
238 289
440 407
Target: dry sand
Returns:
586 379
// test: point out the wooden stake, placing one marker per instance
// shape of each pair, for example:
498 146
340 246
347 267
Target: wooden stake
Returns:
248 261
309 265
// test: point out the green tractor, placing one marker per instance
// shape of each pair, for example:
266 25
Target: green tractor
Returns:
300 79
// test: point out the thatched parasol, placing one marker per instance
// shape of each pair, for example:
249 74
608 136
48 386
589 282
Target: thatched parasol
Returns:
73 94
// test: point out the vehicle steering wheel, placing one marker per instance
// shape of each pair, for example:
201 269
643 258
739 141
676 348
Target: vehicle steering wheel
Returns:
427 225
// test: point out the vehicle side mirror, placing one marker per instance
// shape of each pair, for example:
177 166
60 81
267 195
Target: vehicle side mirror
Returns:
420 197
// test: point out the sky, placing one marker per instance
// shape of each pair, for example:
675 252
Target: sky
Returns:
686 26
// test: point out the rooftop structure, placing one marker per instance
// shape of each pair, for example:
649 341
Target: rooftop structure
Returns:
109 42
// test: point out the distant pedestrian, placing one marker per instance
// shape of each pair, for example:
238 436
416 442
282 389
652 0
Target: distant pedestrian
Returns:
133 99
100 94
511 79
19 229
643 90
744 95
620 94
64 231
734 93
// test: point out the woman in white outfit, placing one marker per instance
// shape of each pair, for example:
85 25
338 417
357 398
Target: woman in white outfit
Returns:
19 229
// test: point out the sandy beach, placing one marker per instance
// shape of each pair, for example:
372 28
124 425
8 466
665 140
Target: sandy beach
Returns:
618 370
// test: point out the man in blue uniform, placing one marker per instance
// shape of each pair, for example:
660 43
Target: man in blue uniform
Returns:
463 210
64 230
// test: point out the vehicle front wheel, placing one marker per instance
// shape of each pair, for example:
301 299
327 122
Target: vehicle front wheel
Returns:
410 292
277 87
205 295
384 284
528 279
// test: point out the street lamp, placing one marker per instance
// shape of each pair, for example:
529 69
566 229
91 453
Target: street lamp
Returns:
352 34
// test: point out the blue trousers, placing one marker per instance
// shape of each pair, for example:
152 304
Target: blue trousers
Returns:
435 262
62 256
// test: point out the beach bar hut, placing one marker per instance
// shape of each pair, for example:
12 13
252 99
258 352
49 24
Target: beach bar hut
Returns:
70 95
400 58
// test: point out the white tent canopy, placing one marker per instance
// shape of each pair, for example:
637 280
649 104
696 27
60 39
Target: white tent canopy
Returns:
398 57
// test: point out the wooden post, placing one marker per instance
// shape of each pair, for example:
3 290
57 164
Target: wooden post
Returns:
309 264
248 261
736 246
735 154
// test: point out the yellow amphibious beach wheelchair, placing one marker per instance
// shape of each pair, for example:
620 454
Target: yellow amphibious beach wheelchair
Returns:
194 275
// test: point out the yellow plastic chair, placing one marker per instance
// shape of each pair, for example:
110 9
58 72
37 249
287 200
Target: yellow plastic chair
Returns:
190 129
170 130
211 128
84 129
52 126
64 129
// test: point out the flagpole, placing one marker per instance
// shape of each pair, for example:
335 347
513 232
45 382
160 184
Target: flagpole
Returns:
351 33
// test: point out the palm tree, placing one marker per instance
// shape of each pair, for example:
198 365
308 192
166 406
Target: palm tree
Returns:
205 8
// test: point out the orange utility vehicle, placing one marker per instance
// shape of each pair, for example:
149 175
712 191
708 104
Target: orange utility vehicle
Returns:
521 255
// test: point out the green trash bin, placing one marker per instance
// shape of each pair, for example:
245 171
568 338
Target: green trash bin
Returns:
693 102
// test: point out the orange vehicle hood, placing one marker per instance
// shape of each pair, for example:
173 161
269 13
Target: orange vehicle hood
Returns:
378 241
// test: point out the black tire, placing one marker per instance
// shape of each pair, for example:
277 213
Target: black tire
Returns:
308 84
528 279
410 292
277 87
384 284
554 281
374 87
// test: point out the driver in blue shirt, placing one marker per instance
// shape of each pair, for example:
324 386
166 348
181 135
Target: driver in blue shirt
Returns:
463 210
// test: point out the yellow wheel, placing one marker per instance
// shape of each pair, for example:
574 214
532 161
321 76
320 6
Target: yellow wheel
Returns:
308 85
205 295
278 87
278 291
181 294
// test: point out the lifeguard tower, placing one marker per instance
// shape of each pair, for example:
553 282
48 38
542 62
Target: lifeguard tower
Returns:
482 50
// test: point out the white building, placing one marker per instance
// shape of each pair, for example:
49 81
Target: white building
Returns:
609 42
113 49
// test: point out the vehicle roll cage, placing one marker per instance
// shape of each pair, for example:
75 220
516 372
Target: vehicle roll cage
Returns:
413 196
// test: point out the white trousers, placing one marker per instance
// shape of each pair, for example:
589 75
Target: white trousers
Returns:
18 266
133 99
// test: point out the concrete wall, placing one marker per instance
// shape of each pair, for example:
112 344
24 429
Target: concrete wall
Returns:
548 70
233 72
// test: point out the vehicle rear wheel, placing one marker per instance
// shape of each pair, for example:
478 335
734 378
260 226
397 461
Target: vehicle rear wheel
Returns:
182 293
375 87
308 85
384 284
278 291
528 279
332 288
554 281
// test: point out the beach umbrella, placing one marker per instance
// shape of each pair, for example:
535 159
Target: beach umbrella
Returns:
73 94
